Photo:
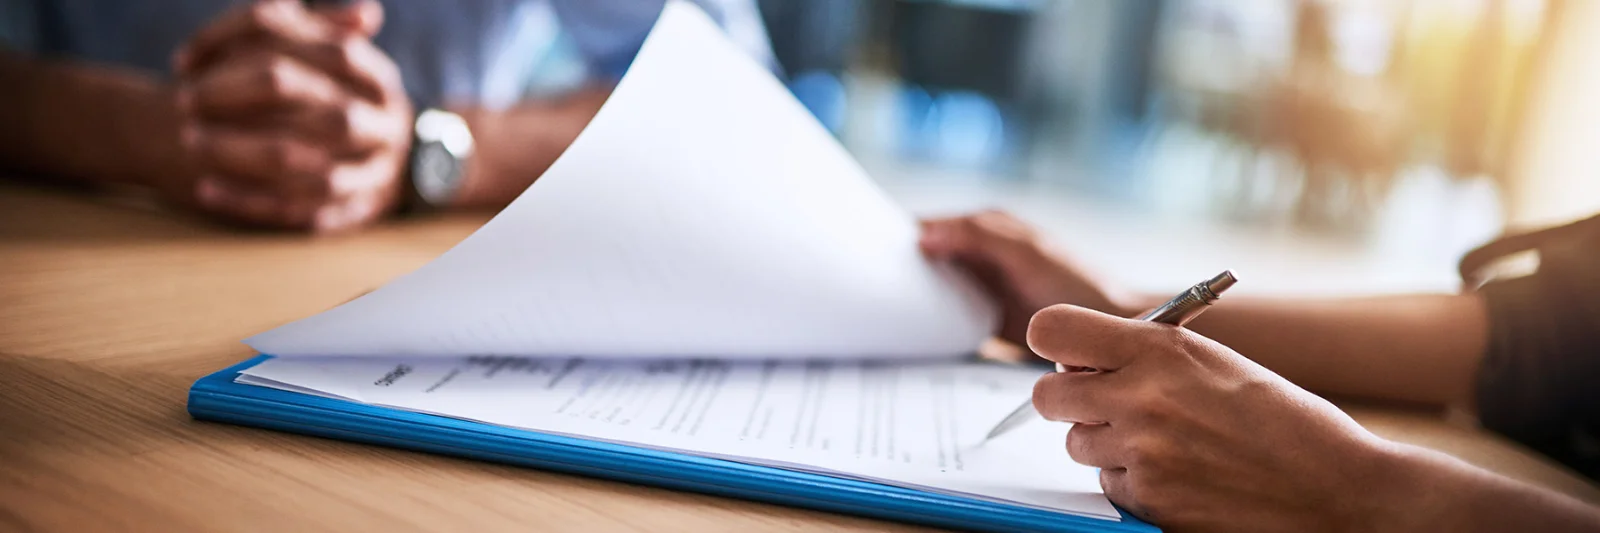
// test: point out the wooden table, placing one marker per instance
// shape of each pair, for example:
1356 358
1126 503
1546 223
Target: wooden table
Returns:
109 312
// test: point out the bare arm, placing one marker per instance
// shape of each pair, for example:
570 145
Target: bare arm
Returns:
88 123
94 124
1431 491
1413 348
1244 427
515 146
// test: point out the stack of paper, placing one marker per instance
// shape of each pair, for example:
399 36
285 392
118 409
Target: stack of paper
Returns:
915 425
704 270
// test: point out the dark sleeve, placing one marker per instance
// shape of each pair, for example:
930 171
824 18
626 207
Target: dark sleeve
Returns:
19 26
1540 380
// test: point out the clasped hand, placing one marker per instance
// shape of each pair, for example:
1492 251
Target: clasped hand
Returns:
294 119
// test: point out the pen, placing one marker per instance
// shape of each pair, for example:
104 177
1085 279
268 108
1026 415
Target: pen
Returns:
1177 311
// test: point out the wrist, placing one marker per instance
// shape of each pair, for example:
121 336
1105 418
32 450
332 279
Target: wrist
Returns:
1403 492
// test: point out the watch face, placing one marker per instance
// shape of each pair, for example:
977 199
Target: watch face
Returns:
436 174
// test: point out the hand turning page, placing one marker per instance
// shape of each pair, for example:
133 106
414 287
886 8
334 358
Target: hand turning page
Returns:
703 212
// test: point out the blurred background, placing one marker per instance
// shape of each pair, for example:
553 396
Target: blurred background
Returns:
1328 145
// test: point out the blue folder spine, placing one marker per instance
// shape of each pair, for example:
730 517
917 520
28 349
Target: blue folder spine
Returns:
218 398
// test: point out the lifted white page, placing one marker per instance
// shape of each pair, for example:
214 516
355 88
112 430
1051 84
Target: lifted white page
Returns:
703 213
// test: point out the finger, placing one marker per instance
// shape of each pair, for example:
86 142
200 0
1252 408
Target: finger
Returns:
246 22
354 212
348 128
1078 397
253 207
1114 481
271 161
1472 265
361 16
260 83
1096 445
347 56
991 237
366 69
333 219
1075 336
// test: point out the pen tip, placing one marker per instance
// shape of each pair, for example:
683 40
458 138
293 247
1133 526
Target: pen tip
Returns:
1221 282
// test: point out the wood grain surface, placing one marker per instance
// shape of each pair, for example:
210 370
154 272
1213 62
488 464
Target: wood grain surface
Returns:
110 310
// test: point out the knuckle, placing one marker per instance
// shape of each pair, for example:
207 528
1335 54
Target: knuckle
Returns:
1150 455
987 218
277 75
1153 408
990 223
260 14
1169 339
994 218
1189 343
968 224
1137 454
345 52
1004 225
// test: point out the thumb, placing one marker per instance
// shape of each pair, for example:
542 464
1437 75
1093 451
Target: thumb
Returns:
361 16
1078 337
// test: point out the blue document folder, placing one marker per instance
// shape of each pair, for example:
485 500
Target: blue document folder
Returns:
218 398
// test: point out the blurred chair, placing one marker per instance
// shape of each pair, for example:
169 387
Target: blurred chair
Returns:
1349 132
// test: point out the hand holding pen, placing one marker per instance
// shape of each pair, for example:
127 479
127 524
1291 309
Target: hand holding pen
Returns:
1176 312
1185 431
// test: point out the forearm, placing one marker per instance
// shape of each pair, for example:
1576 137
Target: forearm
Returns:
87 123
1431 491
1414 348
514 147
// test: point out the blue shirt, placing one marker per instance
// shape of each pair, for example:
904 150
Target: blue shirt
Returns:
488 52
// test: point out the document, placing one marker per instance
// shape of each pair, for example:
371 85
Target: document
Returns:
916 425
707 271
702 213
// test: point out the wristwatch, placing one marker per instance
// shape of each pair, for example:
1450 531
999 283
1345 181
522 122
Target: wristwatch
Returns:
440 149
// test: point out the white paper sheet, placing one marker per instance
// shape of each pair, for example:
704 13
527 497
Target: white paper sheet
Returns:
703 212
912 425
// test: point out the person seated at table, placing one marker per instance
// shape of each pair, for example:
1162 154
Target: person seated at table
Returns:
1208 428
277 115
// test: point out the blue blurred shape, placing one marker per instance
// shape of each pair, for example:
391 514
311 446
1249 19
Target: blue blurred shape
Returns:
823 94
